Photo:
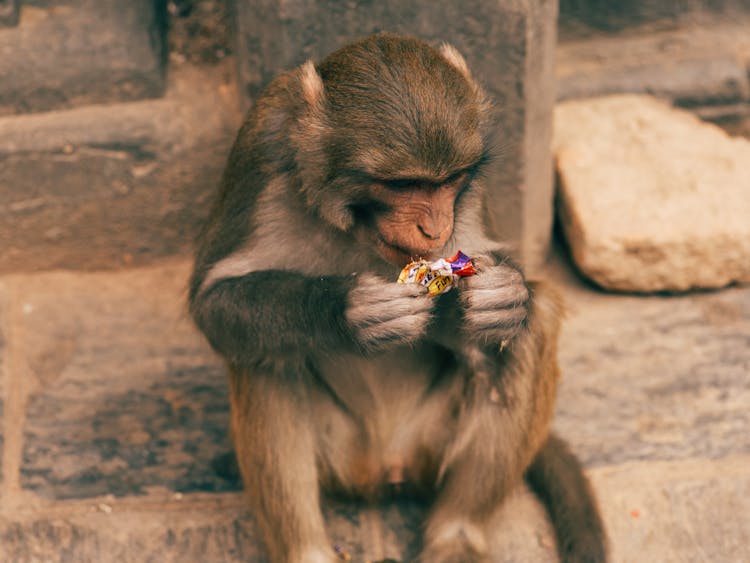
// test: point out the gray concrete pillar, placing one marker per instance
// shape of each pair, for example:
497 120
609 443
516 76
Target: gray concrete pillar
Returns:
510 48
8 12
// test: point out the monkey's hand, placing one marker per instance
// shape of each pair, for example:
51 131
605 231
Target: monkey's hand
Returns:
496 303
382 314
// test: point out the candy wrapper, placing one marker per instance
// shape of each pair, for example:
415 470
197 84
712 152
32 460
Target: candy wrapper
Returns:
438 276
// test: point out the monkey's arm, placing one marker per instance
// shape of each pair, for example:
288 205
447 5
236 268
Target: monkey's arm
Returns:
284 314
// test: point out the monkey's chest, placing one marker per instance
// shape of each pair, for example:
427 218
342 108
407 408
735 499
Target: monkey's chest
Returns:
385 420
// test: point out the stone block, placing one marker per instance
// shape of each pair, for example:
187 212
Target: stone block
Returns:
508 45
652 198
123 393
610 16
112 185
91 51
8 13
693 65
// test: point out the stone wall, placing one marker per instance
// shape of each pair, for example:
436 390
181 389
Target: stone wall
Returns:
72 202
111 146
106 159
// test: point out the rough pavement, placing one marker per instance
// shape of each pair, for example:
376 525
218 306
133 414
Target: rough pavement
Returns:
115 413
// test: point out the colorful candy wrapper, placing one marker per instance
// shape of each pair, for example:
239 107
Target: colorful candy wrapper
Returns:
438 276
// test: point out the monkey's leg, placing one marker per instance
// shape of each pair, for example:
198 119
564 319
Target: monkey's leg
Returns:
506 412
275 449
556 476
484 463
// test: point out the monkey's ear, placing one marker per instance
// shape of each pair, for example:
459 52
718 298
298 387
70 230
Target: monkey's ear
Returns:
335 209
312 85
309 137
456 60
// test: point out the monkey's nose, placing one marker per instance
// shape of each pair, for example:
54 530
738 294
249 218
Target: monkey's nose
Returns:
433 231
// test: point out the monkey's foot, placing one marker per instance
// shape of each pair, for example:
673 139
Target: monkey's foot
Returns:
453 554
457 542
342 553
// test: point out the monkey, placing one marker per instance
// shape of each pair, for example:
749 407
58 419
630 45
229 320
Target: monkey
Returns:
342 380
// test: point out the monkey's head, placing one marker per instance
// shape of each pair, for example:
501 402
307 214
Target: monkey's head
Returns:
391 136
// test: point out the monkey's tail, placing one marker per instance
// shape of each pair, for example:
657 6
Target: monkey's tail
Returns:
557 478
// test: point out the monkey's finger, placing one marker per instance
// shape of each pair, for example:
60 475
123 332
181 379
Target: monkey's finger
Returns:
370 313
498 276
402 329
496 297
373 290
496 319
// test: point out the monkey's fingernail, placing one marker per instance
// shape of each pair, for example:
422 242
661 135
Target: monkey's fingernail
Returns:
342 553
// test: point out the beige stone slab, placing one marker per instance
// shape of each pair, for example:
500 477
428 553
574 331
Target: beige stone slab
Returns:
651 198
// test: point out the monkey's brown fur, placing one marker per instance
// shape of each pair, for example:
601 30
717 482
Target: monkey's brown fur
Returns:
343 379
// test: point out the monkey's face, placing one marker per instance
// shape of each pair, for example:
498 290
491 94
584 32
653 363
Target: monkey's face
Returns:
391 138
413 218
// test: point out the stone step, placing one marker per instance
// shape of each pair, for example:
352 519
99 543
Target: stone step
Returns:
692 64
114 434
106 185
587 17
76 53
654 511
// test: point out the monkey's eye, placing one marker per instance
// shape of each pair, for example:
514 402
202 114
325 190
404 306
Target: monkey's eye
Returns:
459 178
400 184
366 211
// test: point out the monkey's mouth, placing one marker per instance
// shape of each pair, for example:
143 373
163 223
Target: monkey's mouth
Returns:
398 255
